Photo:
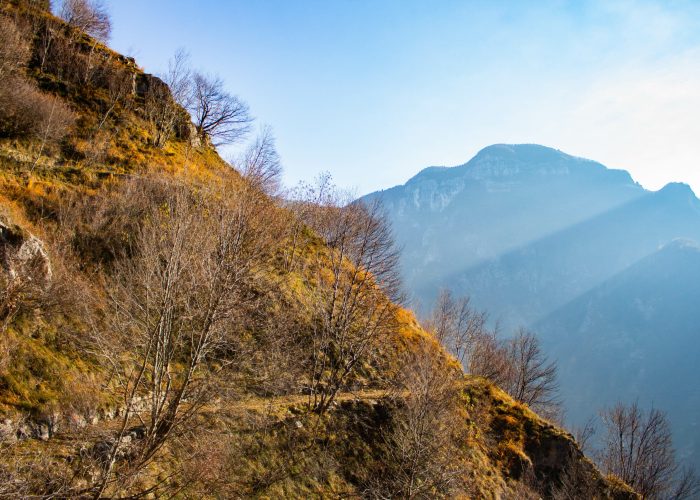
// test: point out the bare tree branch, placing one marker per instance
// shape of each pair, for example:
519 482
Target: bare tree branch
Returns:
218 115
638 449
90 16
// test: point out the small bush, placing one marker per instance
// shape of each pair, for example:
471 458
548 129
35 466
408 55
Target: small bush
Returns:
25 111
14 51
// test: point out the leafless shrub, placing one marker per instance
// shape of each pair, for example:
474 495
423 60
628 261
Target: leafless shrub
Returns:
638 449
90 16
583 435
218 115
102 228
575 482
25 273
118 86
32 475
456 325
489 358
163 103
178 303
59 54
533 378
18 294
422 456
271 363
14 51
260 165
25 111
41 4
353 289
73 59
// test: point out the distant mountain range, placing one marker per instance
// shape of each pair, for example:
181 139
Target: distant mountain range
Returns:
605 271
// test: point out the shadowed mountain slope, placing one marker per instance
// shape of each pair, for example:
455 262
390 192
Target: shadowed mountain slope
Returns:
637 335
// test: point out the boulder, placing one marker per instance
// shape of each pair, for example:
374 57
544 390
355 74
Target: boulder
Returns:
23 255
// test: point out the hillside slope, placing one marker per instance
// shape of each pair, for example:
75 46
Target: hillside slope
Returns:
162 316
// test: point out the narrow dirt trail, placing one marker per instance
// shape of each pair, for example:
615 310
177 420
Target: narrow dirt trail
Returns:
276 407
301 399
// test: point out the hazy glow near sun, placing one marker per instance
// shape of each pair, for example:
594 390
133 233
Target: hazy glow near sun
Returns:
373 91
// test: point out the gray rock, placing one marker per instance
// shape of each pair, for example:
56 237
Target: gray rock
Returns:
8 430
23 255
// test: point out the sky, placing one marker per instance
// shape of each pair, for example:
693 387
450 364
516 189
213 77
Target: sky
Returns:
373 91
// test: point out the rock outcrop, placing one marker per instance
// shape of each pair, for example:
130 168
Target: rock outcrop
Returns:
23 256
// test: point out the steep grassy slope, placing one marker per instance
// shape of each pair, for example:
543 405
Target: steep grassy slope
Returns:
405 423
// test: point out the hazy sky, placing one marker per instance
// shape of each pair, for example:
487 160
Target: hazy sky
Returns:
375 90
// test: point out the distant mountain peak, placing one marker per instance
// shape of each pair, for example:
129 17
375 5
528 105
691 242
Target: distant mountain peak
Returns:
677 188
678 193
532 152
509 160
499 162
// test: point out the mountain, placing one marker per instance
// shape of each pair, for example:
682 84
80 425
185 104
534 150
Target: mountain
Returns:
170 328
534 236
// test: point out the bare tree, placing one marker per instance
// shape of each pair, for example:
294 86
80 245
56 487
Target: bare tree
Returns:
163 102
490 358
179 77
456 325
177 304
686 484
533 379
583 435
518 365
90 16
422 438
355 282
118 86
218 115
46 33
303 202
638 448
260 164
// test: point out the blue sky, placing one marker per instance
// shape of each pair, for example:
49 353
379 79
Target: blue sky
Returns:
374 90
